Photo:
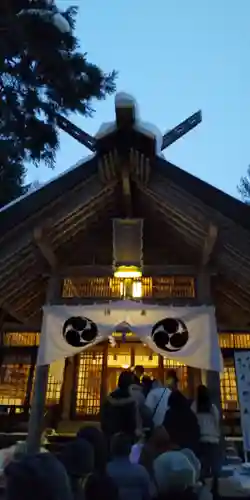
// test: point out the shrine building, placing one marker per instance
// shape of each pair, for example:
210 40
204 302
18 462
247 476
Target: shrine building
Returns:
66 242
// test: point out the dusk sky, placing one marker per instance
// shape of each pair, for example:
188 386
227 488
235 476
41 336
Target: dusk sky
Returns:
174 57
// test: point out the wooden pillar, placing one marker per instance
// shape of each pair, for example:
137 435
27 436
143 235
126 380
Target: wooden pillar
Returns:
209 377
36 419
67 388
161 369
104 383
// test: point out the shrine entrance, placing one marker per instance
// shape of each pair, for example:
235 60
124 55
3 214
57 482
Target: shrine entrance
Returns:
98 370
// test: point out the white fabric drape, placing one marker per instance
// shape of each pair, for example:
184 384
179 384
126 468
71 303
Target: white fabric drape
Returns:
184 334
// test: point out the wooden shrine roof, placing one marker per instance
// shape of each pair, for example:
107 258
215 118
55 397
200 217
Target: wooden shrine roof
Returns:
69 221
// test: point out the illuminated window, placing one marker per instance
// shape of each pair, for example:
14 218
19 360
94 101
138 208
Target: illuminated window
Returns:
181 370
146 357
14 374
21 339
157 287
137 289
119 357
241 341
53 390
234 340
228 387
88 383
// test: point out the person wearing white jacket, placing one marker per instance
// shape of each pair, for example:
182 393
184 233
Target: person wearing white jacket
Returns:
209 422
157 402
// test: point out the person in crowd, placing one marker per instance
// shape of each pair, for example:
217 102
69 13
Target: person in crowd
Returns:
39 476
96 438
119 412
132 480
138 372
156 444
174 477
200 487
78 459
157 402
181 423
136 391
146 383
172 380
100 486
209 423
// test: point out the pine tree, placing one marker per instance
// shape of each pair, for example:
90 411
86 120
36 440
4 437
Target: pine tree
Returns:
42 73
244 187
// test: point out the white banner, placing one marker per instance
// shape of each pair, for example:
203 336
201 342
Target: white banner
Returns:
185 334
242 368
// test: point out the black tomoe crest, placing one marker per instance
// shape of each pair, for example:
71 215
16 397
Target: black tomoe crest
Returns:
170 334
79 331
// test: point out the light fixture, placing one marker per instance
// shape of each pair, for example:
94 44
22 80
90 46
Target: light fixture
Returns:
137 289
127 272
125 367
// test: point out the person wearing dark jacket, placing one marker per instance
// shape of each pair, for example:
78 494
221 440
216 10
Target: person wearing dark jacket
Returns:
119 412
77 456
40 476
181 423
96 438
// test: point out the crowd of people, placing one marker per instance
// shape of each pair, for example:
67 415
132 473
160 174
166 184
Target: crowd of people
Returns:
153 443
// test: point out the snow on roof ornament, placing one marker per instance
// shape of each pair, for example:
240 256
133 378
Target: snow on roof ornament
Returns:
124 101
128 115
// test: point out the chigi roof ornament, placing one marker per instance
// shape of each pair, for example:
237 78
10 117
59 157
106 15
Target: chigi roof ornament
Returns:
128 116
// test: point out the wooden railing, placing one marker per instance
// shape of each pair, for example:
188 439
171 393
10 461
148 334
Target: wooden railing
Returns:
166 287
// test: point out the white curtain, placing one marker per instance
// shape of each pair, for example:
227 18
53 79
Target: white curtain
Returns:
185 334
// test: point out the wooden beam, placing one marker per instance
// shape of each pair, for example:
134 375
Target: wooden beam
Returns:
17 327
16 315
126 190
209 245
45 247
106 271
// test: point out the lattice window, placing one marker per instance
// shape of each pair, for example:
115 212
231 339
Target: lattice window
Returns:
226 340
53 389
182 372
21 339
14 373
88 383
241 341
234 340
228 387
108 287
173 287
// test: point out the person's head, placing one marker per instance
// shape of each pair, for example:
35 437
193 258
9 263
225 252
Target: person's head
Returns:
139 371
204 403
37 476
95 437
173 472
121 445
159 439
99 486
126 378
177 401
195 462
172 380
78 459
